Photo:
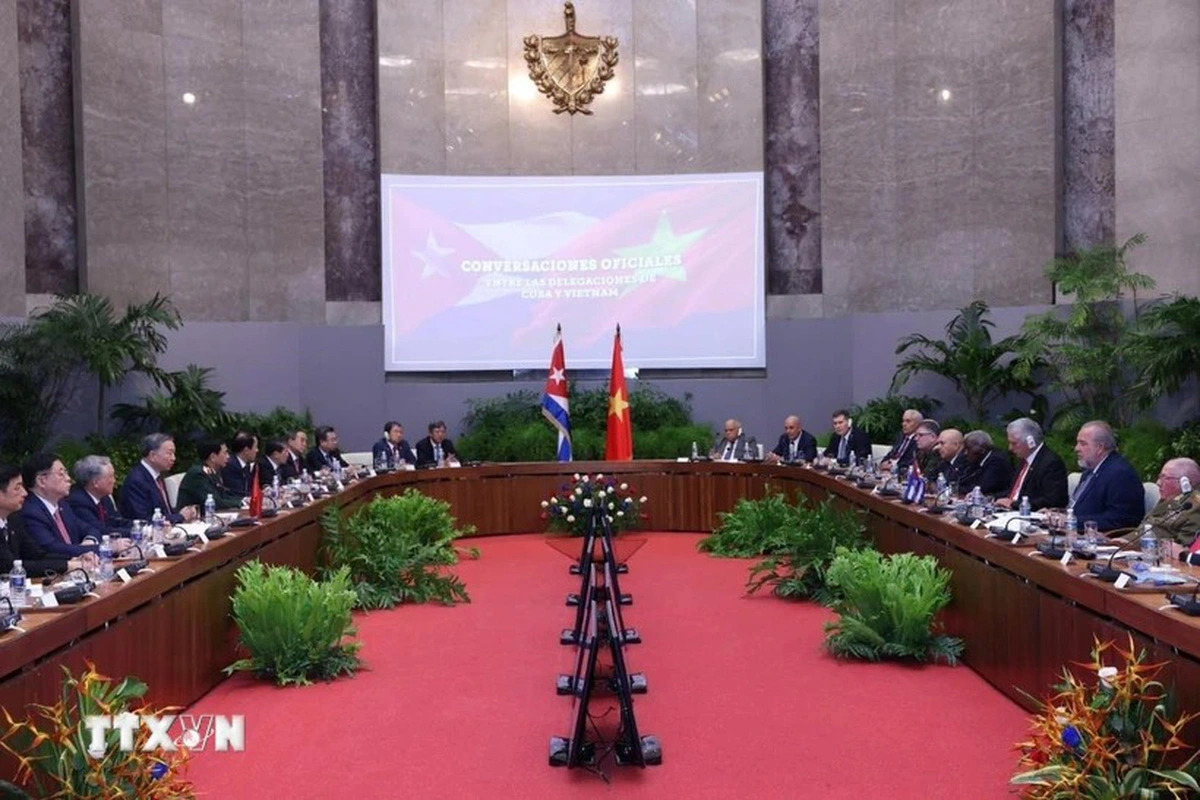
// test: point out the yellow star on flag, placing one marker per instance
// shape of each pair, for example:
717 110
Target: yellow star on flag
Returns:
617 404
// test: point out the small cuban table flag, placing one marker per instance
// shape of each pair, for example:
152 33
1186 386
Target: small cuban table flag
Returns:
555 405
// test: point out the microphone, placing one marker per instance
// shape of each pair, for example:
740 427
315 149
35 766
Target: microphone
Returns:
77 591
1106 572
134 567
1187 603
10 618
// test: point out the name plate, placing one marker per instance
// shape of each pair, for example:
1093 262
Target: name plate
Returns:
49 600
1016 538
1122 581
1066 559
124 575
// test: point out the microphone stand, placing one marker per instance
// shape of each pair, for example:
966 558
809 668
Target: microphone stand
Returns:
1106 572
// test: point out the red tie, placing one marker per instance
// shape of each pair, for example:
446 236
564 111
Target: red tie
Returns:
162 489
62 527
100 510
1016 490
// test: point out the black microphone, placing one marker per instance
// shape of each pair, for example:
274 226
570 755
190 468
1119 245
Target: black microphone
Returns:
76 592
134 567
1105 572
11 618
216 531
1187 603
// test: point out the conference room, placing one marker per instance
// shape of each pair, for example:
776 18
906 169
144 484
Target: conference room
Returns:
519 397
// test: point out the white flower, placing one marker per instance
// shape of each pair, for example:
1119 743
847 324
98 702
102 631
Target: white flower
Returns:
570 517
576 476
1060 715
628 501
584 479
545 504
643 499
620 513
1106 675
578 490
587 503
607 517
611 506
599 475
624 487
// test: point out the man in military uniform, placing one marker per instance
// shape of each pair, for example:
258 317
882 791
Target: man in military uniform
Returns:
1178 511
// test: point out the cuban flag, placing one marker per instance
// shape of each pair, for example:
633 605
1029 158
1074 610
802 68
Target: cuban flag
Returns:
555 405
914 488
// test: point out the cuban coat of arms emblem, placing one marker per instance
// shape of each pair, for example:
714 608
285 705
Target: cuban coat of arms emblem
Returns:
570 69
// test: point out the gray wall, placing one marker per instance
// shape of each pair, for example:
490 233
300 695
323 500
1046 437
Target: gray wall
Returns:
12 233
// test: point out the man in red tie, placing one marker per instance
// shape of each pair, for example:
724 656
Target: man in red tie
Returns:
145 490
92 496
1041 475
15 541
50 522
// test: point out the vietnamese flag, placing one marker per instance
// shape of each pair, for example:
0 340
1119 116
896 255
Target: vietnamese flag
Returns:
256 493
620 422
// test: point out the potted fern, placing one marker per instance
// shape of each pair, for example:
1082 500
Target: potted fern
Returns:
808 546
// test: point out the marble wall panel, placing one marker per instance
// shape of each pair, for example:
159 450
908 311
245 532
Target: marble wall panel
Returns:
792 146
206 159
1157 115
48 145
666 108
411 84
604 143
285 229
122 163
729 86
350 146
476 88
12 211
1088 67
539 141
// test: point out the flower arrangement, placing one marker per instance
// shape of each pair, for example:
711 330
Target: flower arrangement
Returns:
1113 737
570 508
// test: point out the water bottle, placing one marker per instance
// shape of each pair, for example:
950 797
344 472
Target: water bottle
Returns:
869 467
136 533
275 489
158 526
942 489
977 503
16 585
695 452
106 559
1149 546
1025 509
1072 528
210 510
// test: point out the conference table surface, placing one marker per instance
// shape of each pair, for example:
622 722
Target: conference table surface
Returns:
1023 617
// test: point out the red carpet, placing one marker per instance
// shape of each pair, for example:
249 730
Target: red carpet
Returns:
460 702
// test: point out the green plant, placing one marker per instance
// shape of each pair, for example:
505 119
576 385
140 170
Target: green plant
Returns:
393 549
111 347
887 607
1166 348
186 407
799 568
294 628
38 380
276 425
754 527
572 506
1185 443
981 370
52 745
880 417
1109 737
1085 350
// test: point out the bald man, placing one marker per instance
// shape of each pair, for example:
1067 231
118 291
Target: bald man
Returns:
729 446
1109 492
954 461
796 444
1177 513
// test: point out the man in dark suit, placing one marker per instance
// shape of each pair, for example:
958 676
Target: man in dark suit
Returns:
326 454
15 542
205 479
1109 493
51 522
954 462
731 445
435 450
392 450
986 468
847 439
1042 475
796 444
273 463
236 475
91 497
297 445
144 489
905 447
